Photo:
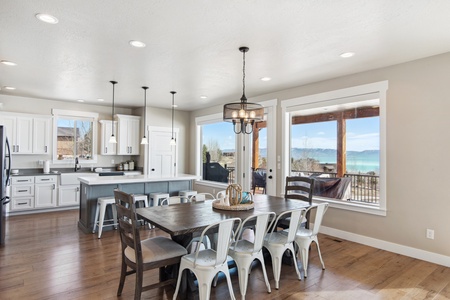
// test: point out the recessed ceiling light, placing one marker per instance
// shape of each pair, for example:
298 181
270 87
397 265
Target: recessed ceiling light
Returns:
80 100
203 97
266 78
137 44
47 18
8 63
100 99
9 88
347 54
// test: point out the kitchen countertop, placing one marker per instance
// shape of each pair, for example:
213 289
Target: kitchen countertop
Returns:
58 171
100 180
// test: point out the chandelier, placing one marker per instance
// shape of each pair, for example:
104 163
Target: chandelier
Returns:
243 114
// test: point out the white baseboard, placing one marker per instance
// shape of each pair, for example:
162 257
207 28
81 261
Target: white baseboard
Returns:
388 246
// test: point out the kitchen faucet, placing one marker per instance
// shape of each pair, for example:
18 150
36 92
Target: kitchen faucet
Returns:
77 165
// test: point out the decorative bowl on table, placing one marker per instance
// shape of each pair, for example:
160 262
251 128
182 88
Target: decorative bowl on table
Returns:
235 199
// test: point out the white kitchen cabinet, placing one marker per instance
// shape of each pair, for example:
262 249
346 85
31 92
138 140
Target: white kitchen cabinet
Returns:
45 191
19 130
128 134
68 195
22 193
42 137
107 148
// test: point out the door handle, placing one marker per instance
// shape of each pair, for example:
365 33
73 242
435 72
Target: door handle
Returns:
270 177
153 170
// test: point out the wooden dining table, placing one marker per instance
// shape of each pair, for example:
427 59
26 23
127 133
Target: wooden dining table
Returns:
182 220
186 218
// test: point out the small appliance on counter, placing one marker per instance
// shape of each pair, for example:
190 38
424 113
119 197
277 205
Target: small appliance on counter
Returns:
46 167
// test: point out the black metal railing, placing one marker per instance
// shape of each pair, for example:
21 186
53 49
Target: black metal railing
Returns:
364 188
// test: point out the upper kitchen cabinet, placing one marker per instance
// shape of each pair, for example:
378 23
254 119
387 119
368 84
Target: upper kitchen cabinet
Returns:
128 134
107 148
19 130
42 137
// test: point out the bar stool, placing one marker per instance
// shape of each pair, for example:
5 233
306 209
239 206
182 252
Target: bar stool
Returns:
100 211
142 198
157 197
184 195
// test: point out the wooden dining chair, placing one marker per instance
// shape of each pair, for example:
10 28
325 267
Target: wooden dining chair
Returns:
299 188
141 255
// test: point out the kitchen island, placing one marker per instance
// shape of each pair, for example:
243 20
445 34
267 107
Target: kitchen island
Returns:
103 186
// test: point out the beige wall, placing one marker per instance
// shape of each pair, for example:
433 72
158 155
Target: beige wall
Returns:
418 139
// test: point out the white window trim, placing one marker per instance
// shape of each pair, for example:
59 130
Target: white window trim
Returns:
287 106
81 115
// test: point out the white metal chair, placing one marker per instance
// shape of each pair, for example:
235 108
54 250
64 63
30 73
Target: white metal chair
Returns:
304 237
245 252
278 242
205 264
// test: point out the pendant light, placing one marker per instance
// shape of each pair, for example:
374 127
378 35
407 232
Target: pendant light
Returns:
144 140
243 114
173 142
112 139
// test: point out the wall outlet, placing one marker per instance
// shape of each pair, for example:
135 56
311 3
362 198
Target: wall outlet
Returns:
430 234
112 161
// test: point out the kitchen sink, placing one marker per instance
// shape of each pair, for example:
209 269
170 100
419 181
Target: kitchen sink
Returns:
72 178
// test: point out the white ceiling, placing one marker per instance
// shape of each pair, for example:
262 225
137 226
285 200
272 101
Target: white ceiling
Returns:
192 46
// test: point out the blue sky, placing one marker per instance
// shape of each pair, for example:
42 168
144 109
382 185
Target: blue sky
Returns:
362 134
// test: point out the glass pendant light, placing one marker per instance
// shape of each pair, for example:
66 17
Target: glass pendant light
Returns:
243 114
112 139
144 140
173 142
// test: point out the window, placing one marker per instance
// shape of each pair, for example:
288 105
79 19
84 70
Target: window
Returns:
74 136
338 138
218 144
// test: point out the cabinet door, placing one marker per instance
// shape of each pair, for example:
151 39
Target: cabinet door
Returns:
24 135
106 147
133 136
45 195
10 125
42 135
122 138
68 195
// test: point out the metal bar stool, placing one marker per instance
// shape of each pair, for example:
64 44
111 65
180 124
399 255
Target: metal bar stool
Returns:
184 195
100 211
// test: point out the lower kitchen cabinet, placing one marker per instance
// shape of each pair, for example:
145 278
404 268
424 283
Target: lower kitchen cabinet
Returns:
68 195
45 191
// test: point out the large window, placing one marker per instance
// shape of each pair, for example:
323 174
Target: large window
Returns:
75 136
218 143
339 139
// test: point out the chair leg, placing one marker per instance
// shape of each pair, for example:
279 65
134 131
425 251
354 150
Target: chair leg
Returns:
138 287
123 272
304 252
96 217
180 275
243 278
230 287
101 219
294 258
320 255
114 213
261 260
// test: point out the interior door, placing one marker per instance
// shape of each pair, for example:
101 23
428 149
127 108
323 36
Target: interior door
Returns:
162 156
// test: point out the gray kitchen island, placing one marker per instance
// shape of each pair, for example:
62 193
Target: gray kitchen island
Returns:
92 188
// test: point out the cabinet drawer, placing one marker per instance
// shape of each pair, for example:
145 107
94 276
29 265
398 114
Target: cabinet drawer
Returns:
45 179
22 203
22 190
22 179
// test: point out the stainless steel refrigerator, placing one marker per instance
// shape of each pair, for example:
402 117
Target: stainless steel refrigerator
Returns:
5 170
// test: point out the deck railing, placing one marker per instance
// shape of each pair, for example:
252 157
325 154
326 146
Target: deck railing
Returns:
365 188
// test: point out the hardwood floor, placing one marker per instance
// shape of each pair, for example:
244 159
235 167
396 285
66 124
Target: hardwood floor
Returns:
47 257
